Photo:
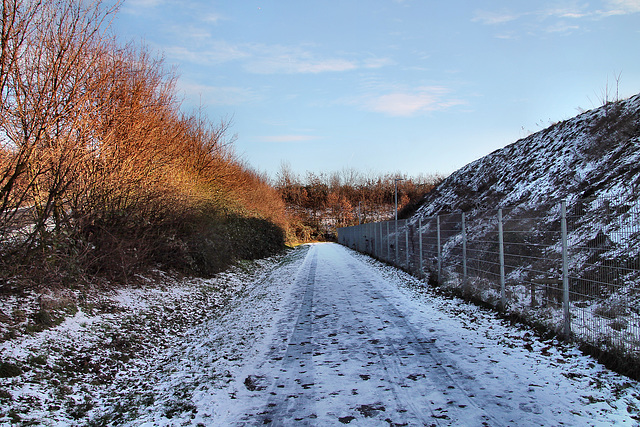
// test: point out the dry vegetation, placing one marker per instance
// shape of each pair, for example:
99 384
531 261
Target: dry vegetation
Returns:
318 204
101 172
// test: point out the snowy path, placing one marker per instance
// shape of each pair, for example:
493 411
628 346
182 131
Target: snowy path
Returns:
349 347
319 335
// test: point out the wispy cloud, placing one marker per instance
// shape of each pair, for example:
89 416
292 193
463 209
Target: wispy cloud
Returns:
494 18
561 27
277 59
288 138
621 7
219 95
503 17
144 3
377 62
197 47
197 43
213 18
207 52
140 7
199 13
572 12
407 103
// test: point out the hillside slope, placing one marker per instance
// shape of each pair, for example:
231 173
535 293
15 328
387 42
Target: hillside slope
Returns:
595 154
592 162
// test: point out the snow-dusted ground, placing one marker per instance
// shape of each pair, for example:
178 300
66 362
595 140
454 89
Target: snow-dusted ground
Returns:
326 336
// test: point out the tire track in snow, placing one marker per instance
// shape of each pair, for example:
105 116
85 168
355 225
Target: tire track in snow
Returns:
277 388
462 383
344 351
415 377
297 365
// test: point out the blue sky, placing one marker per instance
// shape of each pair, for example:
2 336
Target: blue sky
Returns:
408 86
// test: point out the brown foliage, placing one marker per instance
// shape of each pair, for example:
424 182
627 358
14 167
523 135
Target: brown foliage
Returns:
100 170
319 204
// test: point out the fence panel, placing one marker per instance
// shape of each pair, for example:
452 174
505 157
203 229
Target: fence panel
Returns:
605 273
521 258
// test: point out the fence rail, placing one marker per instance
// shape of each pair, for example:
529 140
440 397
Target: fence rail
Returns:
572 267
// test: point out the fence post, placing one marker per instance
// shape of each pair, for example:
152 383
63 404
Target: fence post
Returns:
565 270
420 246
388 244
378 239
439 250
406 239
376 229
503 298
395 261
464 254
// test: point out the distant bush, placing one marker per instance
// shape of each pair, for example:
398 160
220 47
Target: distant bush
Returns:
222 241
318 204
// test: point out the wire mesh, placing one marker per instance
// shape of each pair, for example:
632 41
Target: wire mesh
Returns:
521 269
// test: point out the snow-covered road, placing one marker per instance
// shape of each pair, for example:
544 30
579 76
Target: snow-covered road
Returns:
349 346
320 335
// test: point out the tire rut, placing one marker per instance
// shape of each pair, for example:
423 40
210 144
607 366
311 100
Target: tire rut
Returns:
344 352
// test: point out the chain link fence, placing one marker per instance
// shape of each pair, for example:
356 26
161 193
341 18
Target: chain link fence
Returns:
571 266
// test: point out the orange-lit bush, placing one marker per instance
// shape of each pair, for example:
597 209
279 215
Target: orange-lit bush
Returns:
101 173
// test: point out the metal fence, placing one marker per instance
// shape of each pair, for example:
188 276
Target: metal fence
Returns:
572 266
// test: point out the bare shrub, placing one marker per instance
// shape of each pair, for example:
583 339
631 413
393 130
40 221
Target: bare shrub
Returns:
100 171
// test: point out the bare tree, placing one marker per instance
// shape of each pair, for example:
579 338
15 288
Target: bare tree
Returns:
17 26
47 92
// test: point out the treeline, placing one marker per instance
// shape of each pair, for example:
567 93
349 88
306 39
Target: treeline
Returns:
101 172
318 204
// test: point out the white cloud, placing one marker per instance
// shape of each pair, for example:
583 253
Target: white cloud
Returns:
197 47
496 18
288 138
377 62
279 59
218 95
621 7
196 43
213 18
409 103
574 12
562 27
283 60
144 3
208 53
140 7
493 18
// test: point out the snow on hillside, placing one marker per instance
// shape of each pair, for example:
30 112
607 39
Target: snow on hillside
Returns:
590 161
595 154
